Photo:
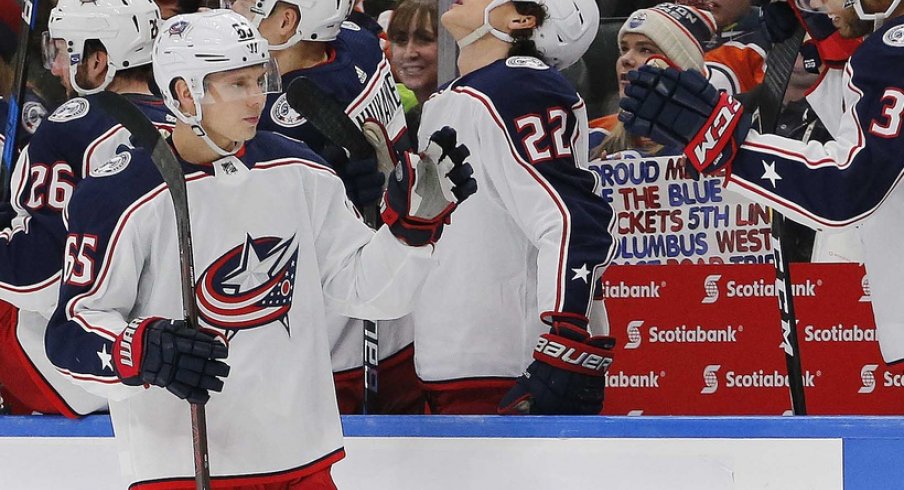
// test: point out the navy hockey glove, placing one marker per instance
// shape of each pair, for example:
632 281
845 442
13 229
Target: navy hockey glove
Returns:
681 108
362 178
167 353
777 21
426 187
567 376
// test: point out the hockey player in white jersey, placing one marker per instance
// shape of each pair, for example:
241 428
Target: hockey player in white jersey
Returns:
314 40
517 270
90 47
276 243
853 180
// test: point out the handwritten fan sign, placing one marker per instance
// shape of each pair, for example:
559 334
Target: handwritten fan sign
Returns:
665 217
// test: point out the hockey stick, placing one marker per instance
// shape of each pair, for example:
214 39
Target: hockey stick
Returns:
145 135
328 117
29 17
780 64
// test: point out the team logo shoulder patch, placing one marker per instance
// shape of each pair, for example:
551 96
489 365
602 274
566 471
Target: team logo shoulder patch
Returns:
347 24
526 62
112 166
72 109
283 114
894 37
32 115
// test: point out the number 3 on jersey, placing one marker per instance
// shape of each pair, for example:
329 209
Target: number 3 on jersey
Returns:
78 267
890 127
544 135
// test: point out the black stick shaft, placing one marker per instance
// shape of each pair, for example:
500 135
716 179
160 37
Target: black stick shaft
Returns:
780 65
328 117
147 136
20 84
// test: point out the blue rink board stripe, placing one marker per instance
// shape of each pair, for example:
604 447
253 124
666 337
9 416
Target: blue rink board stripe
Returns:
873 446
811 427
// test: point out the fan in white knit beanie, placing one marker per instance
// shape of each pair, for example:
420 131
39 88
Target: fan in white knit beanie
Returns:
679 31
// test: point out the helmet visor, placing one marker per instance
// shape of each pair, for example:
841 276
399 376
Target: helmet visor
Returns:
242 83
51 49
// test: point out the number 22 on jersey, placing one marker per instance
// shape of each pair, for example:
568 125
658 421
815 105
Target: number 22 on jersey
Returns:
546 136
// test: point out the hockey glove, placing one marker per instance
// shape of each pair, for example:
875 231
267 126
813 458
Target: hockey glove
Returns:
681 108
567 376
426 187
167 353
777 21
363 180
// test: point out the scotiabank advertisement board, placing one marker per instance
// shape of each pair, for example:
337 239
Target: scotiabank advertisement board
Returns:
706 340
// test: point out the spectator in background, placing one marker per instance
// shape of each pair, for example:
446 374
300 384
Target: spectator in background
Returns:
412 34
736 55
675 32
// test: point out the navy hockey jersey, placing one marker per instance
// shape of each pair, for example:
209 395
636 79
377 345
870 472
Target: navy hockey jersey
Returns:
358 76
70 140
66 147
531 241
266 271
852 180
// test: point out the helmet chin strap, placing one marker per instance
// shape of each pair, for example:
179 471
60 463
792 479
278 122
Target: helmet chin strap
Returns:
482 31
486 28
195 123
73 69
292 41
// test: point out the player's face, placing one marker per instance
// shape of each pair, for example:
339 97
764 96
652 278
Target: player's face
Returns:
464 16
59 65
414 55
232 104
728 12
635 50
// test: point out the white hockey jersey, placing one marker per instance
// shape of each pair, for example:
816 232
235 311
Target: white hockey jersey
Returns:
275 243
532 241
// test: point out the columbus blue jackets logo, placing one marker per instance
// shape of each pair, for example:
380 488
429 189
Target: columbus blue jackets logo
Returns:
284 115
249 286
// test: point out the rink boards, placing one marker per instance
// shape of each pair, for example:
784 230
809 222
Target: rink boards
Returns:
435 452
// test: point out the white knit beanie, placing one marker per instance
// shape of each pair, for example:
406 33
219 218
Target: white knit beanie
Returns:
679 31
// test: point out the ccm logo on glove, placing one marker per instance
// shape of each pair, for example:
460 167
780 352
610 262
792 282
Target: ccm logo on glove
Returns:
721 123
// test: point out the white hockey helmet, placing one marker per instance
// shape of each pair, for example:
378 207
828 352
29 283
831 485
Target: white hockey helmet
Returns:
193 46
819 6
125 27
569 29
320 20
563 38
